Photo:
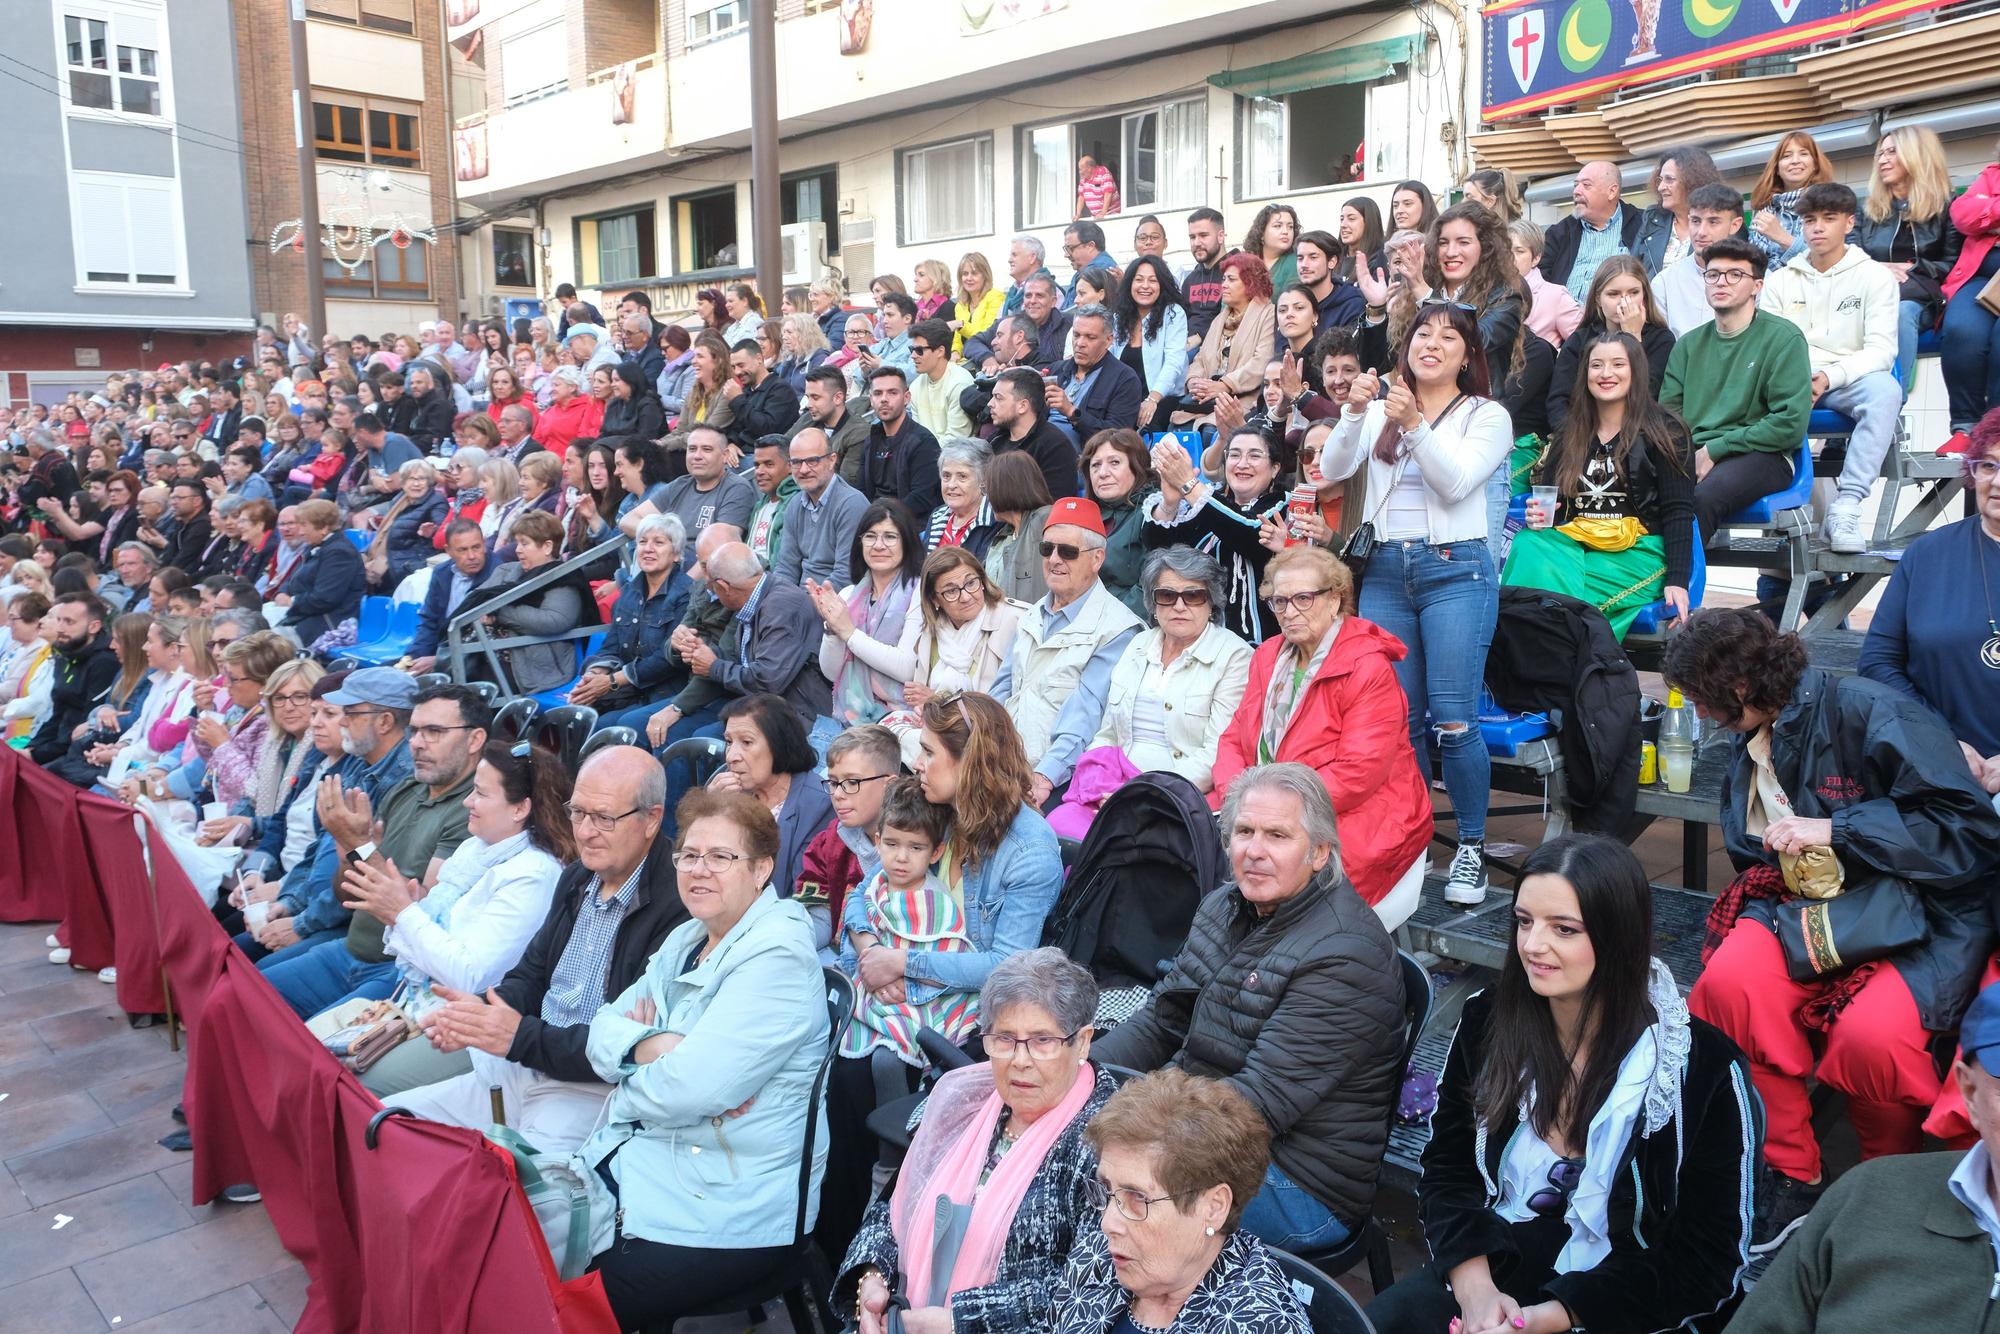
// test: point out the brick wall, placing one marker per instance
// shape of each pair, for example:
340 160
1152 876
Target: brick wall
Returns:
270 163
603 33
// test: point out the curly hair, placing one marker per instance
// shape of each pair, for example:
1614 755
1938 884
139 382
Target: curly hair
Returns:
1731 659
1491 278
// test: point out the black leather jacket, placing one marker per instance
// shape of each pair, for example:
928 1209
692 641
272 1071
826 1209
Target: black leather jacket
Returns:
1930 247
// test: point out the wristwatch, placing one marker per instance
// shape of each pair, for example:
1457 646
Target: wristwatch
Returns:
362 852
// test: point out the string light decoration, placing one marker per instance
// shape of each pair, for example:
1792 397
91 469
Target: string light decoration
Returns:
351 225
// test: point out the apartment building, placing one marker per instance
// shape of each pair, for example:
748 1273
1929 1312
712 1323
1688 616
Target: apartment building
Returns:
606 144
123 175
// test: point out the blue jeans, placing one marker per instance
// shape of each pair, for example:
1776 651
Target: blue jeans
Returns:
635 717
312 981
1875 402
264 958
1441 602
1287 1217
1970 350
1912 318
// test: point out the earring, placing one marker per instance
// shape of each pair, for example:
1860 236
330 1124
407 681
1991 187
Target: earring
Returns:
1209 1231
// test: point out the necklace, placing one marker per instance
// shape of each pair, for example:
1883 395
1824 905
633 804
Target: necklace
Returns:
1989 652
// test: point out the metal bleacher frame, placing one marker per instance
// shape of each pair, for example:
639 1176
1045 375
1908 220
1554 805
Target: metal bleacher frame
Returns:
466 633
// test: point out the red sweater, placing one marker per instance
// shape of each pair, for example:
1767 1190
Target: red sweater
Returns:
1352 724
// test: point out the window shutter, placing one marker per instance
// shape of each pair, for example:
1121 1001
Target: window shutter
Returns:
103 240
155 231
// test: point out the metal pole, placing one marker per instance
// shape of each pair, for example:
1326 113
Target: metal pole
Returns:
308 173
764 202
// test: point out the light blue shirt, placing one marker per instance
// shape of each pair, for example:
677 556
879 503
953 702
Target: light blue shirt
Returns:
1972 1186
1083 712
1596 245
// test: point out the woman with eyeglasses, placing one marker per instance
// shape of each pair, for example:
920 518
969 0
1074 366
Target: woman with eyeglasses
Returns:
714 1053
276 754
868 650
1176 687
1322 692
225 750
996 1187
1179 1158
1431 448
766 754
483 907
1924 640
1593 1155
1229 522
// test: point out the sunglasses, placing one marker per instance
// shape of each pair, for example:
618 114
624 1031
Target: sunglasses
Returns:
1063 549
1180 597
1564 1176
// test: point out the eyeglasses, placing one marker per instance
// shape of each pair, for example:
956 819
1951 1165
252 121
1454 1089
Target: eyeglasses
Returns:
1247 456
847 787
1725 277
1983 470
971 588
716 860
1564 1175
880 539
1180 597
1042 1046
1063 549
918 349
1132 1203
1301 602
431 732
811 460
603 824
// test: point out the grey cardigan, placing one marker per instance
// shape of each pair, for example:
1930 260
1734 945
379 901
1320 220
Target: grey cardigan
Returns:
819 543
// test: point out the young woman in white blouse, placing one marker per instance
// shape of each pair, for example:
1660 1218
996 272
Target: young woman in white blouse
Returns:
1430 446
488 900
967 631
868 651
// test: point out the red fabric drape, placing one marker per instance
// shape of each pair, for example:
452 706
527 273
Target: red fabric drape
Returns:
426 1231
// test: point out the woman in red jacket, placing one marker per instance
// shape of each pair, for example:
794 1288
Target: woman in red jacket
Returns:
571 415
1323 692
1970 333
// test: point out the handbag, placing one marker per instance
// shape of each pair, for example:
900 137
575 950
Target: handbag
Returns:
361 1032
1989 295
1859 925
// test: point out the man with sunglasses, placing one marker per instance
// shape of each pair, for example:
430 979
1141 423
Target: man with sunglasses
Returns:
612 909
414 827
1055 680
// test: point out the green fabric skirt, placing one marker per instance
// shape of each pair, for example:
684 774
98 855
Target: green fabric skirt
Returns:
1617 583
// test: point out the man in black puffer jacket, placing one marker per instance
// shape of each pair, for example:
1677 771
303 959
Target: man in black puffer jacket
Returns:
1287 988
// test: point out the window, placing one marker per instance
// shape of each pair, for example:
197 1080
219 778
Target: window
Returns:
1300 141
389 274
809 196
468 77
712 20
705 231
534 64
114 63
392 15
356 129
1155 154
127 230
945 191
513 258
615 248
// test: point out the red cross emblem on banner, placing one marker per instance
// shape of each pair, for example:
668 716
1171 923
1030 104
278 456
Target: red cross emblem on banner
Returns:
1526 40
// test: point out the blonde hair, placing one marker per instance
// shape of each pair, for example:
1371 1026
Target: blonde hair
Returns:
940 276
807 336
501 481
1930 176
985 270
1327 566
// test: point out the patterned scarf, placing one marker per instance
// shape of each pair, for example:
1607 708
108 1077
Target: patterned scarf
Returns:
861 693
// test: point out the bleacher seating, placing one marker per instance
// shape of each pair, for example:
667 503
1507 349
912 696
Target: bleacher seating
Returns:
393 639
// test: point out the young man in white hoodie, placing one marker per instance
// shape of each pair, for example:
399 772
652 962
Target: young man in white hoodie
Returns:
1845 304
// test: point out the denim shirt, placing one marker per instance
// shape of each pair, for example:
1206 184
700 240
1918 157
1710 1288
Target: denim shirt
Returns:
641 625
311 882
271 835
1007 899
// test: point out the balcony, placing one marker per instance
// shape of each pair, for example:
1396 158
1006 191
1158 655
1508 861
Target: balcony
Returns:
1712 111
612 125
1523 146
1943 59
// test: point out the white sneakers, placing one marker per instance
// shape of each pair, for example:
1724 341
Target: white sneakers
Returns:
59 954
108 976
51 942
1465 883
1843 528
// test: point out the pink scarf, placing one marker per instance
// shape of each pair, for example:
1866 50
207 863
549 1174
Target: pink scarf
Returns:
946 1157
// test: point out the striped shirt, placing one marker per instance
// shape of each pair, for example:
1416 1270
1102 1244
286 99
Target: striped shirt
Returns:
576 987
1593 247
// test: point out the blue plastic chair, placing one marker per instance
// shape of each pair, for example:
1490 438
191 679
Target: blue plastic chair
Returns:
394 638
1761 513
372 623
1930 343
1505 733
358 538
1653 619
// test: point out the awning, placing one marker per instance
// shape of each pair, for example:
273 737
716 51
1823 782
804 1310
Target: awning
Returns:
1359 63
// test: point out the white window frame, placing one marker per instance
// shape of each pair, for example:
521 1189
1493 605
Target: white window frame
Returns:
1241 112
983 225
160 217
737 14
111 13
558 70
1024 136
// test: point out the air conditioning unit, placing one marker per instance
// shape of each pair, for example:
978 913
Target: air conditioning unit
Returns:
803 245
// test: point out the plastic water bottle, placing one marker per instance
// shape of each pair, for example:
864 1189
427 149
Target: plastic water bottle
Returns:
1677 733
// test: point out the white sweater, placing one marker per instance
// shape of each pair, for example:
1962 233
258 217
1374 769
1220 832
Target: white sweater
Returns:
1456 459
1848 314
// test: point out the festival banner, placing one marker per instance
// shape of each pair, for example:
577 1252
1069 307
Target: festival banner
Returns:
1546 53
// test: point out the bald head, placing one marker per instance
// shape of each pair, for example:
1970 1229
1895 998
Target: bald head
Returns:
1595 193
627 787
735 563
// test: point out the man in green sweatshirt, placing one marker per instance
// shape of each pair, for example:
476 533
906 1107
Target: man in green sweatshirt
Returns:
1743 384
1911 1241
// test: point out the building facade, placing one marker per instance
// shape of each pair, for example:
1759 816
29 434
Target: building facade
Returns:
942 130
125 171
383 152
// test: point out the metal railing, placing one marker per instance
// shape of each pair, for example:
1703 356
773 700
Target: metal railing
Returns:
466 631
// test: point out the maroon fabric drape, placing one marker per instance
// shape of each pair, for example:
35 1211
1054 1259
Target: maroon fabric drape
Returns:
118 869
57 882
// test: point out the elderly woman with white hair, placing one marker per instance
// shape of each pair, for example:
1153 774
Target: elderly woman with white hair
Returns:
997 1184
570 414
1287 988
468 493
632 673
966 517
1178 684
402 540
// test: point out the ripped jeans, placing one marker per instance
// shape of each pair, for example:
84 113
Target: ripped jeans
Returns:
1441 601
